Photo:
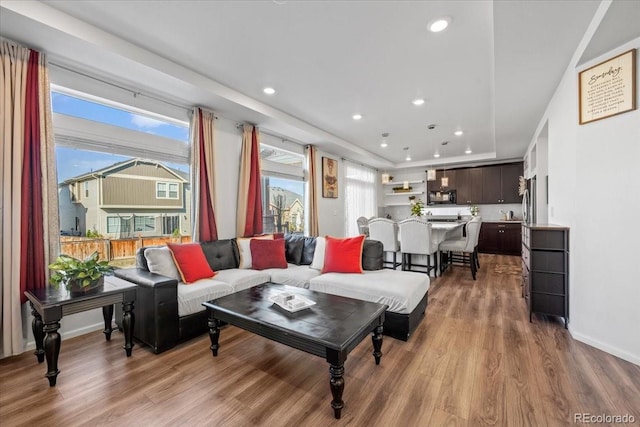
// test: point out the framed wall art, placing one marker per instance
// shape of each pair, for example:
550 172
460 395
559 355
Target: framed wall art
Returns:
329 178
608 88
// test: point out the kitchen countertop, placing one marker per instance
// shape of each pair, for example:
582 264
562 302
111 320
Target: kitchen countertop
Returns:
501 221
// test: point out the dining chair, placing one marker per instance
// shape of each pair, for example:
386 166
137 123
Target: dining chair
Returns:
416 239
386 231
464 250
363 225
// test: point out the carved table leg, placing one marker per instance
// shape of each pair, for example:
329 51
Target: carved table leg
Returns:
38 334
107 314
337 387
52 351
214 334
128 320
376 337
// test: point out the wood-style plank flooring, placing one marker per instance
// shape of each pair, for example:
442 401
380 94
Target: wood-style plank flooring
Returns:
474 360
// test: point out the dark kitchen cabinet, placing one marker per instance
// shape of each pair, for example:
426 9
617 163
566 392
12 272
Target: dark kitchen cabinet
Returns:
500 183
500 238
545 270
469 186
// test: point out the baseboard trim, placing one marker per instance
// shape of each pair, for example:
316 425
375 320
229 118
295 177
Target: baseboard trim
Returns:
635 359
31 345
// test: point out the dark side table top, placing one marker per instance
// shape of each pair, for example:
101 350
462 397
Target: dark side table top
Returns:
334 322
56 303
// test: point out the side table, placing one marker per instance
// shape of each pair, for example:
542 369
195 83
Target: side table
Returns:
49 305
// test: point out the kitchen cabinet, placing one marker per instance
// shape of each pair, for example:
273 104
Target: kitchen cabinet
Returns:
545 270
469 186
500 183
500 238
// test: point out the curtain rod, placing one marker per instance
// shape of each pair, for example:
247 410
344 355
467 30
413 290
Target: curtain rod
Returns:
134 92
359 163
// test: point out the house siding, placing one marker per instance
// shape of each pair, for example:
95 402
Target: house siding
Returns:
126 191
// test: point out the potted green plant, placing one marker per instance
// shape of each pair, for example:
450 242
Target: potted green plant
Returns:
79 276
416 207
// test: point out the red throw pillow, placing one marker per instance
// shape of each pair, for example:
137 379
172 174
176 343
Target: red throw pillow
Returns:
267 254
343 255
191 262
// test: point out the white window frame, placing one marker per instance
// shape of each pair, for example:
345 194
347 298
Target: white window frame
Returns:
167 191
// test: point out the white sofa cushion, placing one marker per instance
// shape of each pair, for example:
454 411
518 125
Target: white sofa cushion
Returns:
160 261
400 290
192 295
241 279
294 275
318 254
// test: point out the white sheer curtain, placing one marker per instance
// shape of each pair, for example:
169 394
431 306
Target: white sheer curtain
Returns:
360 195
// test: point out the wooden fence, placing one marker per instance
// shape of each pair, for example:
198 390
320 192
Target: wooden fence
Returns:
112 249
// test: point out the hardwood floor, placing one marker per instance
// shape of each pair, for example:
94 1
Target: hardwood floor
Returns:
474 360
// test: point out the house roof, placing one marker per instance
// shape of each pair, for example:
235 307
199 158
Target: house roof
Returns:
184 177
289 196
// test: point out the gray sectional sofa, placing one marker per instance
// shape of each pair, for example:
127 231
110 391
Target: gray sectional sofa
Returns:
168 311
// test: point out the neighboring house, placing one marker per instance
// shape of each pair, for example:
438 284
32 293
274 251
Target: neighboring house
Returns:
287 204
128 199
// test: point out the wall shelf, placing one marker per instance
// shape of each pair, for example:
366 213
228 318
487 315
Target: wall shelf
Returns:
405 193
399 183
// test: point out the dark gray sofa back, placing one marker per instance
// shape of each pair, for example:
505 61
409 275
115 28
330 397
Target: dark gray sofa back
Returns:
223 254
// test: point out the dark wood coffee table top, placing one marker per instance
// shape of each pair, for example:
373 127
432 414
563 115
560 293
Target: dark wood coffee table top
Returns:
331 328
334 322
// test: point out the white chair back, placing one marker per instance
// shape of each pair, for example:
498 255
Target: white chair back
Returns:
363 225
415 237
473 233
385 231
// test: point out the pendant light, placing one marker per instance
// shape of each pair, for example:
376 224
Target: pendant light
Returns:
444 181
431 174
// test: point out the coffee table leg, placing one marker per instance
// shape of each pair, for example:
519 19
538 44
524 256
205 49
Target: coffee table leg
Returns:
337 387
52 351
376 337
128 320
38 334
107 314
214 334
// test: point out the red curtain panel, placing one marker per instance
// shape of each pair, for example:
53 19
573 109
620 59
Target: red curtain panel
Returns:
206 218
253 225
32 255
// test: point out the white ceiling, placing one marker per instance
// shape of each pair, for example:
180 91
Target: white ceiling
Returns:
491 73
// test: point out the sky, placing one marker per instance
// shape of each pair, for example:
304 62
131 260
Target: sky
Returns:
73 162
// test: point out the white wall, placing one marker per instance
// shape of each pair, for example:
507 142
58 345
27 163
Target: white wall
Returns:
331 219
228 140
594 188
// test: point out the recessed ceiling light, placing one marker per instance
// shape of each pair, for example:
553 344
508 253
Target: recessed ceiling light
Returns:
269 90
417 101
468 151
458 133
408 158
436 155
439 24
384 144
357 116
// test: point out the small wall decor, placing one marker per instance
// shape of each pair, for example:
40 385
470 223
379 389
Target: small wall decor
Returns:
329 178
608 89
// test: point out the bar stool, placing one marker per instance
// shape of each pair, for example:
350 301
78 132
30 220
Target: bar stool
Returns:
386 231
415 238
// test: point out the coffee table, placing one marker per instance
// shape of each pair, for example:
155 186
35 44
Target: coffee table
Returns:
331 328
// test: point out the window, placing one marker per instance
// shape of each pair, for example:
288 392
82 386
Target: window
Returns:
170 224
166 190
161 190
116 154
144 223
360 195
282 189
118 225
